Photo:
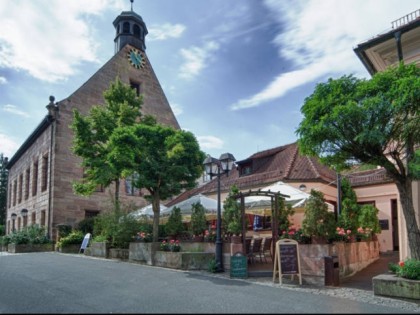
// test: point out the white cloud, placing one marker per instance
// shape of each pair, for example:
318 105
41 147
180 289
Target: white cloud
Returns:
210 142
196 59
177 109
165 31
3 80
318 37
7 146
49 39
14 110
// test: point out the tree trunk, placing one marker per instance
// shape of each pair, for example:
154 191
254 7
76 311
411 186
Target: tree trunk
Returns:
156 215
413 230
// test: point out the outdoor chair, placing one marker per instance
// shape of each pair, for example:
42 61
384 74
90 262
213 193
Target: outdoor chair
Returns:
256 248
266 248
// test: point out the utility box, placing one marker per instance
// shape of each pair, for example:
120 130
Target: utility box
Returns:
332 271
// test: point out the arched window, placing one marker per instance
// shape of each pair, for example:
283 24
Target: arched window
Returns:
126 27
136 30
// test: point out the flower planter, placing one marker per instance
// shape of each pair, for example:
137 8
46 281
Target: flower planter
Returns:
28 248
70 249
118 253
393 286
97 249
183 260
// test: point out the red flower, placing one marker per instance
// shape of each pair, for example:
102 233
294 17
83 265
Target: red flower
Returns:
401 263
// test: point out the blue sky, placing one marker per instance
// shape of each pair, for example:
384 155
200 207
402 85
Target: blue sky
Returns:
236 73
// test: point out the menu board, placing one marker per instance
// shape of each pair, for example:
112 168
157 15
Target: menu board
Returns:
238 266
289 259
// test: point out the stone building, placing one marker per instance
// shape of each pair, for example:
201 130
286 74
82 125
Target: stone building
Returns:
42 170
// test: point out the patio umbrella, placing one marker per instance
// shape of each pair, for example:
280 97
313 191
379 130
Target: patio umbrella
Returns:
148 211
209 204
296 197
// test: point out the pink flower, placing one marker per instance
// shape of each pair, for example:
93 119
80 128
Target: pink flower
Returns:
348 231
401 263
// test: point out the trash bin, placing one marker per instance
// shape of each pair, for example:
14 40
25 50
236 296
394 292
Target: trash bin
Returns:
332 271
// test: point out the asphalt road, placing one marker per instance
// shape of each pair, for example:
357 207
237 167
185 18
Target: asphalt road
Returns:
62 283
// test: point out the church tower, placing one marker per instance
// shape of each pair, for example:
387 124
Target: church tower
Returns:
130 29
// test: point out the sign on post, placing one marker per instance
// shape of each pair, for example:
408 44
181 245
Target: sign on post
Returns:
287 260
85 243
238 266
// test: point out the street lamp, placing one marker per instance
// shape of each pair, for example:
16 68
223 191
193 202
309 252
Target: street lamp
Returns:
24 213
13 216
217 167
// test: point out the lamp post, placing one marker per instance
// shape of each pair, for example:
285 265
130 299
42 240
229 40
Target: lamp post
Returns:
13 216
24 213
217 167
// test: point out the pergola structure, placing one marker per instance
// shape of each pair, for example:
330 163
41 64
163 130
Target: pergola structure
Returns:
275 196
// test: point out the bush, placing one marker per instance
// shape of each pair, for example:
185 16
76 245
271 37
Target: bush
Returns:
198 219
368 219
174 226
409 269
232 218
318 221
75 237
86 225
33 234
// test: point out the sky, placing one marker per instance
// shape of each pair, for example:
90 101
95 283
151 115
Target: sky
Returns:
235 73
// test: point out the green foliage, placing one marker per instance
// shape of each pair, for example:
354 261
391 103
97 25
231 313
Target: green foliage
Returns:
349 216
410 269
368 219
232 220
393 267
74 237
285 212
86 225
318 221
350 120
117 228
166 161
212 267
100 238
174 226
64 230
33 234
198 219
2 229
100 161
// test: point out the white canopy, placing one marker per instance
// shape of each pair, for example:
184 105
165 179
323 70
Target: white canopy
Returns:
186 206
148 211
296 197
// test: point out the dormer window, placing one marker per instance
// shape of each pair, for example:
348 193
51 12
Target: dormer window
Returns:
245 169
126 27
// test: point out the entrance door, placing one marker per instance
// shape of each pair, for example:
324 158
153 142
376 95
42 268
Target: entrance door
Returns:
394 217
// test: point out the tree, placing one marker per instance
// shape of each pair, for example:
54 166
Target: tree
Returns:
166 161
174 226
349 216
3 188
198 219
232 217
91 138
374 121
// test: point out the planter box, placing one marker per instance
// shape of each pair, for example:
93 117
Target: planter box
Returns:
118 253
393 286
28 248
97 249
70 249
183 260
3 248
193 255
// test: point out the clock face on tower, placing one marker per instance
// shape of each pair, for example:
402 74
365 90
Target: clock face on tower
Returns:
136 58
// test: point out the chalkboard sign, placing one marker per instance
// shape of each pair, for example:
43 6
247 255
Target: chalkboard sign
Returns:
286 260
384 224
85 242
238 266
289 259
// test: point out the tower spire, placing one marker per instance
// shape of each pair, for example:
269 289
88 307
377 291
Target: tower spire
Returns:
131 5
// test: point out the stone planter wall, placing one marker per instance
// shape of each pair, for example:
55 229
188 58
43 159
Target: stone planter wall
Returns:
3 248
97 249
118 253
352 257
193 255
28 248
70 249
391 285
